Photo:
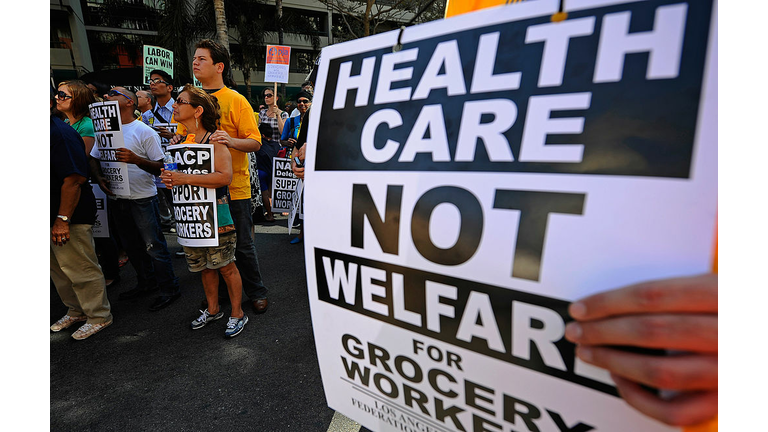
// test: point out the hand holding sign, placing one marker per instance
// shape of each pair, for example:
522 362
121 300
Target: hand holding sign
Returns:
164 133
674 314
299 171
104 185
173 178
175 139
127 156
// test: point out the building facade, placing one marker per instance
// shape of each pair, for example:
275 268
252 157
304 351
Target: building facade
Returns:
98 35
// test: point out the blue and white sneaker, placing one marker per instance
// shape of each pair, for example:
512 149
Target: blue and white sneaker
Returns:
205 318
235 326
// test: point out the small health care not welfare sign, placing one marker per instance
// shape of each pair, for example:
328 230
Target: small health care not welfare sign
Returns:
462 191
108 131
194 207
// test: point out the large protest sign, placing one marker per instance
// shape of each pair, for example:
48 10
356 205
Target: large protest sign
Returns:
157 58
101 226
109 137
461 191
194 207
278 63
283 185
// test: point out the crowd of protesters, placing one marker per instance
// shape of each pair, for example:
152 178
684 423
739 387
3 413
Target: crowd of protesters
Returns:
244 142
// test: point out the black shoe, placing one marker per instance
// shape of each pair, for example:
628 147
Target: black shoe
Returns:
180 253
163 301
135 293
260 305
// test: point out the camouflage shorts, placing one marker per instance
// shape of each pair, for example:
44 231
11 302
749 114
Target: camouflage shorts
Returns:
201 258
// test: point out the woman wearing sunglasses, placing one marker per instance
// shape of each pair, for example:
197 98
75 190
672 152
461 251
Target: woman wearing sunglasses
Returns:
73 99
272 115
199 112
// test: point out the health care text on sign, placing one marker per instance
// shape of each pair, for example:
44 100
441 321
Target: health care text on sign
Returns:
194 207
171 128
278 63
157 58
109 137
283 185
496 168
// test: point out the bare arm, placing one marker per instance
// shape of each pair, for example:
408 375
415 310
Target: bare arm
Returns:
70 196
89 141
245 145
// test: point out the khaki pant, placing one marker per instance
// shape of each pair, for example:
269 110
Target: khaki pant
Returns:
78 278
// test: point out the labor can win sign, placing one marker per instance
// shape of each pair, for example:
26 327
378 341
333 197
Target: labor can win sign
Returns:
108 132
463 190
278 63
194 207
157 58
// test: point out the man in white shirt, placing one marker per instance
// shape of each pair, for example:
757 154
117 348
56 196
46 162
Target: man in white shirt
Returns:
136 217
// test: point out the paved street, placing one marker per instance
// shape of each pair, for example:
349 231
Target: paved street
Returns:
150 371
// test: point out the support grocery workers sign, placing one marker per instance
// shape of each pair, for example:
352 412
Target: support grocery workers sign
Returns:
494 169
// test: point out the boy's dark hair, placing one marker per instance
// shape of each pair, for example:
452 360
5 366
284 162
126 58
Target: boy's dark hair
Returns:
219 54
165 75
266 130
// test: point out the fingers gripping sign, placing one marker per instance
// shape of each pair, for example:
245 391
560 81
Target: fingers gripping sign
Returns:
674 314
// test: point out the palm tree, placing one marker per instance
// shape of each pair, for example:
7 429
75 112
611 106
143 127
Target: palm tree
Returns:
221 23
252 24
174 32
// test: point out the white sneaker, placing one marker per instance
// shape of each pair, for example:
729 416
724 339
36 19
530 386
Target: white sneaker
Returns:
205 318
87 330
66 321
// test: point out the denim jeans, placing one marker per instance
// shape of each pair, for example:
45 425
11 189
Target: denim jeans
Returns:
245 254
137 223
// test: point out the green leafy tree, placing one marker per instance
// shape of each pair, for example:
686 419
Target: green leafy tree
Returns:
175 31
252 21
367 17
